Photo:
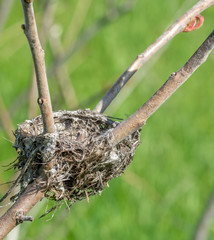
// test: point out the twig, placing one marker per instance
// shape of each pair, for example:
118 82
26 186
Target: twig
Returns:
203 227
138 119
27 200
171 32
43 31
30 31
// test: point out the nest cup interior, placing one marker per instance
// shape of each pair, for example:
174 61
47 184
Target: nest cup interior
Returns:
78 160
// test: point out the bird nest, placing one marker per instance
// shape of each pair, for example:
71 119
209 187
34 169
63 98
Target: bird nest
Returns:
78 160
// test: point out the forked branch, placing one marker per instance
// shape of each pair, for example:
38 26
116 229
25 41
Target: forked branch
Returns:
171 32
138 119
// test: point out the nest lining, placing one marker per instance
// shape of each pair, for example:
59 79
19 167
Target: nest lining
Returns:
78 160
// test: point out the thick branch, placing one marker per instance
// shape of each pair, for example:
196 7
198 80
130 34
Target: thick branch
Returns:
30 30
138 119
16 214
171 32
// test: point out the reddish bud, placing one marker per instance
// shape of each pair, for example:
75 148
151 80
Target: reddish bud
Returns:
194 24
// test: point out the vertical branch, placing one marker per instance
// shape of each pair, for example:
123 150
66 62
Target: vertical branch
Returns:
30 31
48 11
138 119
171 32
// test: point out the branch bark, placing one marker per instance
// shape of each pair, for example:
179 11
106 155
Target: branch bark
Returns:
16 214
44 100
171 32
47 13
138 119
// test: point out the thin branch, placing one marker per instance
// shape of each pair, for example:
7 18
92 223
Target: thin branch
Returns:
47 13
138 119
171 32
30 31
17 213
205 221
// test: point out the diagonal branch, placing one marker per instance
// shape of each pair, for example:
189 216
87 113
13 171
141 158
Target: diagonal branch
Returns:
171 32
30 31
48 11
204 224
27 200
138 119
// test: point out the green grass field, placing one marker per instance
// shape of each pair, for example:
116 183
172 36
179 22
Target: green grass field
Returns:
163 193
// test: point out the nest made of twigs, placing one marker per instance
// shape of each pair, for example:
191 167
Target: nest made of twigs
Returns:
78 160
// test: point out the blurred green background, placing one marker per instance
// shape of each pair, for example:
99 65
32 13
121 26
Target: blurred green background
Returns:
165 190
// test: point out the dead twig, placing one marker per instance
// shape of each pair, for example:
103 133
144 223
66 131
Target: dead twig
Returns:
43 31
205 221
30 31
171 32
138 119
